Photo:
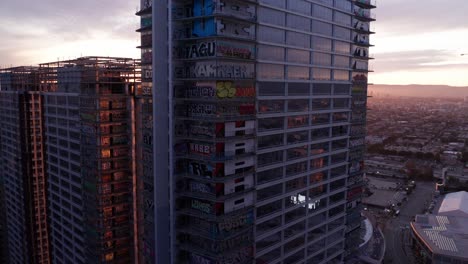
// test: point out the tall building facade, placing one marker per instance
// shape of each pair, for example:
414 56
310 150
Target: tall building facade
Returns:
144 137
360 66
90 143
259 118
23 172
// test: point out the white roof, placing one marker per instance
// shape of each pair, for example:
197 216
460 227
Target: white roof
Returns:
455 204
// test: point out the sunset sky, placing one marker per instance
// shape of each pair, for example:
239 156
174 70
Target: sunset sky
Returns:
417 42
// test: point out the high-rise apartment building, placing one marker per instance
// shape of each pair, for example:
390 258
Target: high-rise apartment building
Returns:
90 141
259 118
144 138
23 171
360 66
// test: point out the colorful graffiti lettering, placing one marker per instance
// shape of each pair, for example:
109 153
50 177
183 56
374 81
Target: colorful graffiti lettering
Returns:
225 90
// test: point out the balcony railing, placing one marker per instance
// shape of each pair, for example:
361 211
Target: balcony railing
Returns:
363 15
368 4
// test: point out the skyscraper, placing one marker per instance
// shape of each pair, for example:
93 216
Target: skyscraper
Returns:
360 65
144 137
91 159
259 119
23 171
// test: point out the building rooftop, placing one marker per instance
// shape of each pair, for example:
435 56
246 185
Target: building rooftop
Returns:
446 233
383 198
455 204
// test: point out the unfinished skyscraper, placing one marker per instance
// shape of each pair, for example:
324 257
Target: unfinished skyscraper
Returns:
259 115
23 170
90 143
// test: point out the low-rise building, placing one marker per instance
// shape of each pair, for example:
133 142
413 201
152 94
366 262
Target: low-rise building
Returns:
443 237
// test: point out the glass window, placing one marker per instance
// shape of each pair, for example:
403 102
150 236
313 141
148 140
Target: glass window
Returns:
318 163
298 89
268 241
277 3
271 106
320 148
270 256
299 6
342 33
271 89
317 177
317 191
322 59
269 225
270 34
298 73
320 104
298 105
340 117
296 184
335 211
269 208
340 103
323 28
341 75
296 153
343 4
270 141
316 233
296 168
298 39
342 89
294 215
321 89
298 121
291 245
318 119
339 131
269 175
335 224
270 71
322 12
270 123
342 18
263 194
270 16
294 229
298 22
298 137
339 144
320 133
271 53
319 43
336 172
342 47
299 56
337 158
342 61
321 74
270 158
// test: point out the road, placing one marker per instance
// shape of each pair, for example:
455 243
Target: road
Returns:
397 232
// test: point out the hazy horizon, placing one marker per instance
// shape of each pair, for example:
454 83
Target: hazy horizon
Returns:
410 45
420 90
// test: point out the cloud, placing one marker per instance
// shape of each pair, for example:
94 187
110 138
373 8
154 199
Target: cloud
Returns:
417 60
37 28
397 17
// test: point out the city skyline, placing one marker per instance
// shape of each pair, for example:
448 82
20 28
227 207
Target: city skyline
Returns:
411 47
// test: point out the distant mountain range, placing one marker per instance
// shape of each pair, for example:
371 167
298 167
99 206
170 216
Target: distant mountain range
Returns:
417 90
